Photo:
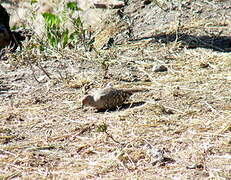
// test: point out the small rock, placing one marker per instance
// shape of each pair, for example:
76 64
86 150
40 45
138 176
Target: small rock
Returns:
204 65
104 4
160 68
146 2
195 166
168 111
158 156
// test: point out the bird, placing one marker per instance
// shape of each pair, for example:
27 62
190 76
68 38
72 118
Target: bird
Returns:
4 18
109 98
9 38
5 33
5 36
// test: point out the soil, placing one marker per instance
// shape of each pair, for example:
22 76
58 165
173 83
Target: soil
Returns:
185 114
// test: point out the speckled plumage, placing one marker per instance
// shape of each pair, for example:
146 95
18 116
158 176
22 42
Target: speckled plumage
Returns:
108 98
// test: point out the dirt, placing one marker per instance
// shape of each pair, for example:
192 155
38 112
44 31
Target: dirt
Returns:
44 132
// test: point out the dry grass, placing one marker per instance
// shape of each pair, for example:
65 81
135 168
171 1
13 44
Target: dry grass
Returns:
44 134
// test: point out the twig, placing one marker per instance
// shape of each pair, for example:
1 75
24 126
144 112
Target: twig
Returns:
31 67
43 70
110 136
213 109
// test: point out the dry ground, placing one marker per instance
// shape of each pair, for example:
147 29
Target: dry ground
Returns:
44 133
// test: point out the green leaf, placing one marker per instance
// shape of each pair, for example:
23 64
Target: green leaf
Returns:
51 19
33 1
73 6
65 38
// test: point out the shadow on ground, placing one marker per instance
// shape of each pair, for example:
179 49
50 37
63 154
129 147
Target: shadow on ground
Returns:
216 43
124 106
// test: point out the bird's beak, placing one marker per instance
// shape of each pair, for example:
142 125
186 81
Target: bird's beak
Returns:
82 105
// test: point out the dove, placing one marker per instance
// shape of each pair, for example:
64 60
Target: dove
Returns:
108 97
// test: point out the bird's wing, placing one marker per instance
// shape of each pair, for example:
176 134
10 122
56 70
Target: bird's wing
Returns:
104 93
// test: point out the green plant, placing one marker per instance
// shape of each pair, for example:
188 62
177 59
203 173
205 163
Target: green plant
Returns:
56 35
59 36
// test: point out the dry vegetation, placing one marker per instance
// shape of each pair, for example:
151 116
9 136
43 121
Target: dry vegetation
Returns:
44 133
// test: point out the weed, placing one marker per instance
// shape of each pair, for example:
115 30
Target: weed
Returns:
59 36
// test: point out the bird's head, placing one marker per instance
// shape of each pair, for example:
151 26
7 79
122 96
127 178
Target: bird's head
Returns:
87 100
